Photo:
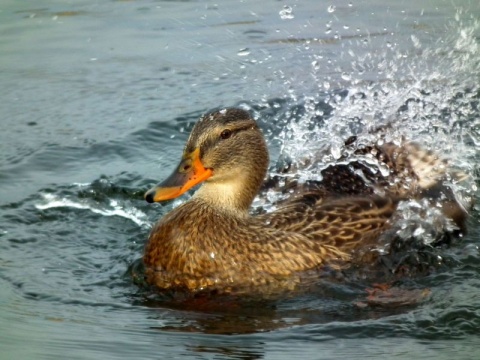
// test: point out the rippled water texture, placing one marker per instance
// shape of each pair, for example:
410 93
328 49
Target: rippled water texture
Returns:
97 100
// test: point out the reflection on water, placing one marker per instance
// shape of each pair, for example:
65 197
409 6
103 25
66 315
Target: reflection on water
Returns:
98 99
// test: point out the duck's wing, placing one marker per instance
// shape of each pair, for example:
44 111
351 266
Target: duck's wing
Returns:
345 223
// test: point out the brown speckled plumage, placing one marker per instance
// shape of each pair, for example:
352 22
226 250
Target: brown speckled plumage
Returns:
212 242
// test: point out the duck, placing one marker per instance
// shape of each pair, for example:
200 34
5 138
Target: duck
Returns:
214 242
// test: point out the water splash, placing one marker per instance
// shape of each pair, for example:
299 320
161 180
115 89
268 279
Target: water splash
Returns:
428 96
425 94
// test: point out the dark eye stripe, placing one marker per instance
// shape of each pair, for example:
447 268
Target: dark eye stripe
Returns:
227 133
213 141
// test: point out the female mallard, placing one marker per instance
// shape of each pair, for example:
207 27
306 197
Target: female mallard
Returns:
212 242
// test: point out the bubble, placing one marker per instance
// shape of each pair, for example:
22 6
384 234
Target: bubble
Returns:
331 8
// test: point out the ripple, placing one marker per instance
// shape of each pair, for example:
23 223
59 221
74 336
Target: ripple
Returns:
115 209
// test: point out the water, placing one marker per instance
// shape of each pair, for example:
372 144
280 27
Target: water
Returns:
97 100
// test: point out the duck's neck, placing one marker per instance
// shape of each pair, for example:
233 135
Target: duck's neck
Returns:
231 197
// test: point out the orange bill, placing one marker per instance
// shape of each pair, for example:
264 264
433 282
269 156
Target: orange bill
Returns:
189 173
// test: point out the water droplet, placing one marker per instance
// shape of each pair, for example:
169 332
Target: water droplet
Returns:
346 76
243 52
286 13
419 231
416 41
331 8
336 152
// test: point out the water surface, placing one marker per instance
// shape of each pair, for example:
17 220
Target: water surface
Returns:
98 99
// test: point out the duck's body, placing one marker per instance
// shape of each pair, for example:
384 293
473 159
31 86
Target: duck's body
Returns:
213 242
198 246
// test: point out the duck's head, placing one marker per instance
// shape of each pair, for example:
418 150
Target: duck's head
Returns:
227 151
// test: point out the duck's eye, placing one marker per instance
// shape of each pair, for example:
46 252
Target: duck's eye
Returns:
226 134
